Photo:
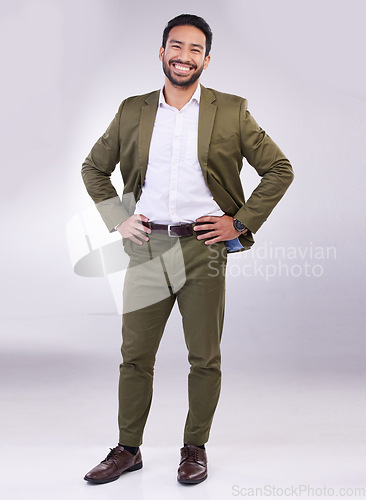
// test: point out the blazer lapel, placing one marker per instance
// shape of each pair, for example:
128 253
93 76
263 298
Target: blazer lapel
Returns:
146 126
205 124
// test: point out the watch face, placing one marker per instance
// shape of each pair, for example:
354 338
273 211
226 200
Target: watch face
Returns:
239 226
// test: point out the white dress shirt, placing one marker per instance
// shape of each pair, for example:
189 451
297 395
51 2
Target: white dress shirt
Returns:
174 189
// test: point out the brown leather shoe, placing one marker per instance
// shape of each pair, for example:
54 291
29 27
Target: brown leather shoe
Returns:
193 465
117 461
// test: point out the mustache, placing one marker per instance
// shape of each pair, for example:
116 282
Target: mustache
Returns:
178 61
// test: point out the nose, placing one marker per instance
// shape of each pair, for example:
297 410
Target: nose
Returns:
185 55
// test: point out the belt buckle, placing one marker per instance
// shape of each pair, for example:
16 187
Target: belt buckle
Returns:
170 232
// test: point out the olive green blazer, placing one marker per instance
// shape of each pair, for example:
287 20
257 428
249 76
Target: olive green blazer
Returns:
227 133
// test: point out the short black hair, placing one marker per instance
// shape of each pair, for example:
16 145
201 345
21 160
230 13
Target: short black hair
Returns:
190 20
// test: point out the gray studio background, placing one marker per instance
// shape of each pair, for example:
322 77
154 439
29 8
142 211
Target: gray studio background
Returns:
292 409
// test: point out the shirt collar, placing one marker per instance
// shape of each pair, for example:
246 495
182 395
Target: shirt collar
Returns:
196 97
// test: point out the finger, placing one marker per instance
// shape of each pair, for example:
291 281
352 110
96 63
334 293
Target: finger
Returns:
204 227
213 240
211 234
141 228
137 231
207 218
138 228
139 234
143 217
136 240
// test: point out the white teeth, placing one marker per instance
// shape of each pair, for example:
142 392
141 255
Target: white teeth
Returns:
181 68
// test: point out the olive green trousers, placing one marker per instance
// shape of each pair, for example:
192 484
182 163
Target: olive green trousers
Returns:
161 271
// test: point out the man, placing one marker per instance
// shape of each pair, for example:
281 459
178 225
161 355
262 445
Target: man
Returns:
183 209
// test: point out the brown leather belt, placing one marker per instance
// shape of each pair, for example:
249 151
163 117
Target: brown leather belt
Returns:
176 230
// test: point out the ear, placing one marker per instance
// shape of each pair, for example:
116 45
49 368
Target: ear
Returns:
206 61
161 53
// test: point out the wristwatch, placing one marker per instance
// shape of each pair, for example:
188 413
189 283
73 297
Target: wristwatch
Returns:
239 226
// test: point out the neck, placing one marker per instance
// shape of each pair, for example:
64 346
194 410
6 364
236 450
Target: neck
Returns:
178 96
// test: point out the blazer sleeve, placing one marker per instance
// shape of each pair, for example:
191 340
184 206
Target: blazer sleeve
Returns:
270 163
96 173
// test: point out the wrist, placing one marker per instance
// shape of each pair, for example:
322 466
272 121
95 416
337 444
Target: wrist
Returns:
239 226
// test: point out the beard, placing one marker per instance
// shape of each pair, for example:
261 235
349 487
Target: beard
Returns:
181 82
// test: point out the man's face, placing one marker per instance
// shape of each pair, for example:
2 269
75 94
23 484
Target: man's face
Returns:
184 55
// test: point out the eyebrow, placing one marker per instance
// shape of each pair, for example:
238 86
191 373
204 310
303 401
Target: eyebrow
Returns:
192 44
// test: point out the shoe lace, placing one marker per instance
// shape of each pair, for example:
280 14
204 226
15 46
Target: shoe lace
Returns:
190 453
112 455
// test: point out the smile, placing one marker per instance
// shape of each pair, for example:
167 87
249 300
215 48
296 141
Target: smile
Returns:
181 68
